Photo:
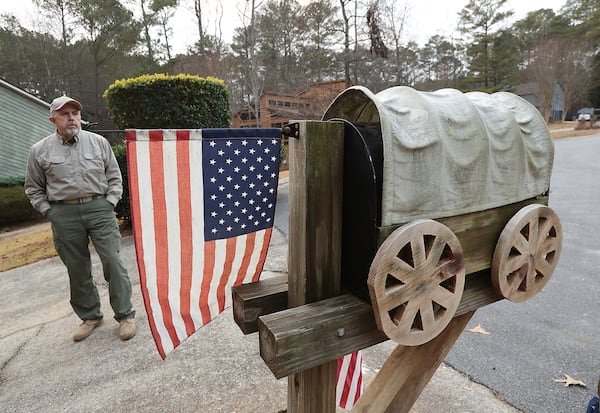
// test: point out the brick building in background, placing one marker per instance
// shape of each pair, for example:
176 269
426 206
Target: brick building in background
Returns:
275 110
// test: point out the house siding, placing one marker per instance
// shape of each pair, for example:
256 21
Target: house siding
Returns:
23 121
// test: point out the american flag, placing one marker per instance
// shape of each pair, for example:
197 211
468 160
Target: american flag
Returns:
202 207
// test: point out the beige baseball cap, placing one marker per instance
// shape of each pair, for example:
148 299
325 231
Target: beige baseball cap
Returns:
61 101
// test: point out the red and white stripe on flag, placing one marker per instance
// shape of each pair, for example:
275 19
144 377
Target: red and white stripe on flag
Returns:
202 207
349 380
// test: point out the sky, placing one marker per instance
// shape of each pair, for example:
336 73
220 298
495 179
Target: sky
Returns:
426 17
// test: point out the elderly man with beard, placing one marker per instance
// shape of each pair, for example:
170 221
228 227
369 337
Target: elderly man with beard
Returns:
74 179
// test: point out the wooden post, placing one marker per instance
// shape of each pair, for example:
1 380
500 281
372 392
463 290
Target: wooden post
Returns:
315 227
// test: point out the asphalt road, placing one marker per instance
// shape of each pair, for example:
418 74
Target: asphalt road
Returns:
557 332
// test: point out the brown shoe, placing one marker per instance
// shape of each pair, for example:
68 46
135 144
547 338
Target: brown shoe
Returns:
86 328
127 329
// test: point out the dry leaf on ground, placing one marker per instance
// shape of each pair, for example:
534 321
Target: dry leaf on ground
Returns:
570 381
479 330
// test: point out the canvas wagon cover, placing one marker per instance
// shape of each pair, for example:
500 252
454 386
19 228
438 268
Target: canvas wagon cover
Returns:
448 153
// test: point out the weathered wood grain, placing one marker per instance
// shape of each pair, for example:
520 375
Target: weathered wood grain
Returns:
309 335
416 282
478 232
315 233
250 301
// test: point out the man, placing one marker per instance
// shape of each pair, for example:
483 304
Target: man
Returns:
74 179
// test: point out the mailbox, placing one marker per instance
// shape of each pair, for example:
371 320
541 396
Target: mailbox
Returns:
439 186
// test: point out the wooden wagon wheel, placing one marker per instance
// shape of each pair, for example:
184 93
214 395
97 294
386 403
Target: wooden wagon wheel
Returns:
416 282
527 253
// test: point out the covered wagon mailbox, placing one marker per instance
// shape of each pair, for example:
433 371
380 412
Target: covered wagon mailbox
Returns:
414 157
442 210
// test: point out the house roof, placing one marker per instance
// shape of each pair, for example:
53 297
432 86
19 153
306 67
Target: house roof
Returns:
528 88
6 85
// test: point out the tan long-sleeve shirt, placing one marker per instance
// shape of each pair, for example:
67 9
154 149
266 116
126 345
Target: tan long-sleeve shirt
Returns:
58 172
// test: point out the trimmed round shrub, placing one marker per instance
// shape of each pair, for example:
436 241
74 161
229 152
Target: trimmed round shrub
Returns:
162 101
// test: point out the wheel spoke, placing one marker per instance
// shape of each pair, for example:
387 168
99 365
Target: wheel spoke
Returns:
435 252
521 244
408 315
533 231
400 269
514 263
427 315
448 269
515 279
549 245
443 296
544 267
530 280
544 231
394 298
418 251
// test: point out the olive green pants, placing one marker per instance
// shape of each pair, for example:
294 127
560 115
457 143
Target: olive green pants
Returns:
73 226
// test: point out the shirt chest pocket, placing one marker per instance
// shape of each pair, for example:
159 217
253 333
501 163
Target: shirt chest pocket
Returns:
57 167
92 162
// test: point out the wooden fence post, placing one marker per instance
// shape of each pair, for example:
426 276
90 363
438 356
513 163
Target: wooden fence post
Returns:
315 227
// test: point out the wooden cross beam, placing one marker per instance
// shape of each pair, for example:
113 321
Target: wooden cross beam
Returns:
340 325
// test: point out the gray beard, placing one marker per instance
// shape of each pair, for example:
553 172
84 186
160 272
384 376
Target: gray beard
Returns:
70 132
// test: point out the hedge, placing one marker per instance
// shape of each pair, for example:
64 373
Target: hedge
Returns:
15 206
162 101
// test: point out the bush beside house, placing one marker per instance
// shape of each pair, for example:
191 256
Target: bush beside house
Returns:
14 204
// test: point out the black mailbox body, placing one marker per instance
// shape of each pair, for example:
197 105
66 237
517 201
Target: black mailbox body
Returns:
363 172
